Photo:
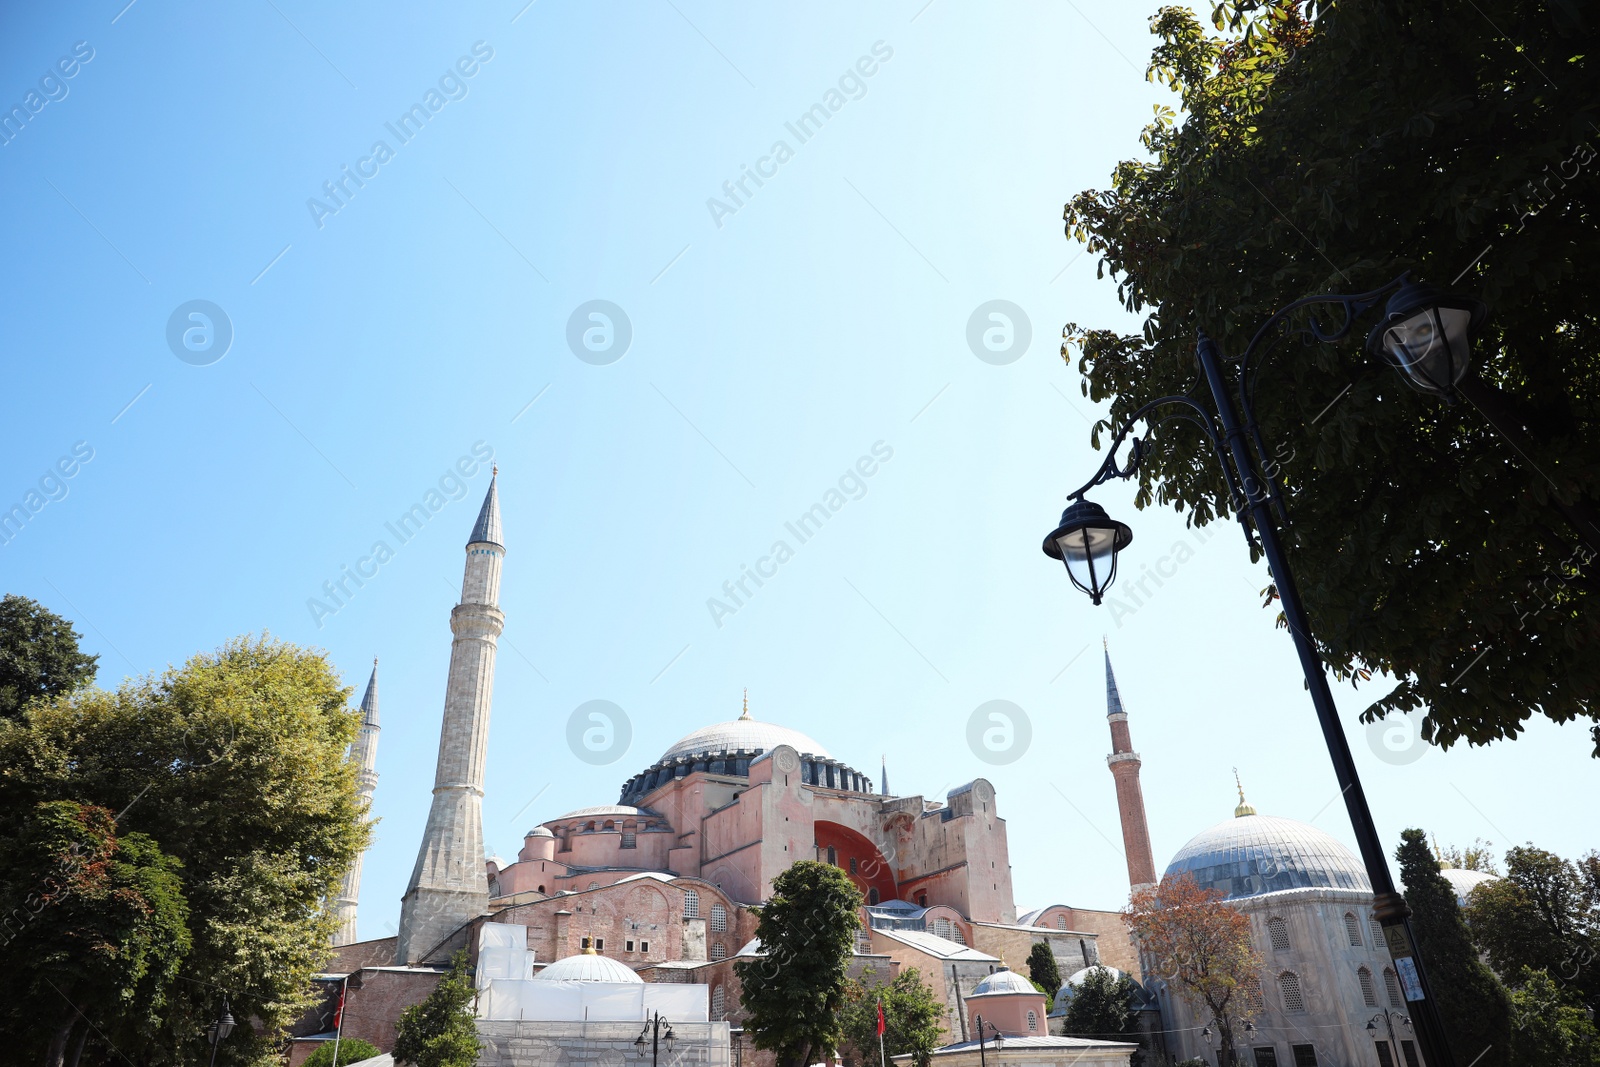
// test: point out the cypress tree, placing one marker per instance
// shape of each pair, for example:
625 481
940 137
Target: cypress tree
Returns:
1473 1006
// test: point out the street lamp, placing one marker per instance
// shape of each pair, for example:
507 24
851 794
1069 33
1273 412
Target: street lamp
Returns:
983 1029
1427 335
219 1030
1388 1018
1254 493
653 1029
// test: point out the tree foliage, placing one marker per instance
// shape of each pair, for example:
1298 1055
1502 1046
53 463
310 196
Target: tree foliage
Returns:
1103 1006
1478 856
1042 969
912 1018
440 1031
39 656
1473 1007
1327 148
227 774
793 992
1200 946
1549 1027
1544 915
351 1050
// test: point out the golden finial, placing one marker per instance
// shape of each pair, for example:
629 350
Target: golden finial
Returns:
493 469
1244 807
745 715
1104 644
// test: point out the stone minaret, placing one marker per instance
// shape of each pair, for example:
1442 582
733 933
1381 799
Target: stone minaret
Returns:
449 886
364 754
1124 763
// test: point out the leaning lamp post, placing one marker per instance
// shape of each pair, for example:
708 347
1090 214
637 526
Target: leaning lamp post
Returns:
1427 335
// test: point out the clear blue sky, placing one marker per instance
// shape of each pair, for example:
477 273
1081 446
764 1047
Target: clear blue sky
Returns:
774 341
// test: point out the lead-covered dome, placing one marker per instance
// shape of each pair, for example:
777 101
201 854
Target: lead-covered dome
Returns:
1251 855
1463 881
747 735
588 967
1005 981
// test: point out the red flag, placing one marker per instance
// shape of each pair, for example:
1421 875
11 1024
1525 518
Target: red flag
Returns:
338 1013
880 1018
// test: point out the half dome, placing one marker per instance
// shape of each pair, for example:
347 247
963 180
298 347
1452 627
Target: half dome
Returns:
588 967
1252 855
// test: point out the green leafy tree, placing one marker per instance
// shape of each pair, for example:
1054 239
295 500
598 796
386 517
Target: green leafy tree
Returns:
1478 856
96 925
1300 163
1549 1028
794 992
234 766
351 1050
1473 1007
39 656
912 1018
440 1031
1042 969
1543 915
1102 1006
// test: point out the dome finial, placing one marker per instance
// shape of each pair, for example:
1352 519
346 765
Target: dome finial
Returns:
1244 807
745 715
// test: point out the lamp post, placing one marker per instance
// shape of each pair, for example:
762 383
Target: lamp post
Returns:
1388 1018
653 1029
220 1029
1431 332
999 1038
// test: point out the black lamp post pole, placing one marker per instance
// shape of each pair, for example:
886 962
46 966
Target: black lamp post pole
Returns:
1388 905
981 1061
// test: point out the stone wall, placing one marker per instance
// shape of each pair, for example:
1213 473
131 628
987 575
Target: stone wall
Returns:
580 1044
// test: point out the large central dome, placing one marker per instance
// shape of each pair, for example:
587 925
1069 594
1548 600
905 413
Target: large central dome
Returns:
746 734
1250 855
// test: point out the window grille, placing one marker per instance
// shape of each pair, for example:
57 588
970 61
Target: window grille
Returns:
594 885
629 839
956 935
719 1004
1289 986
1033 1021
1369 992
719 951
1352 926
1409 1050
1061 922
1266 1056
853 865
1391 986
691 904
1254 1001
719 918
1278 931
1385 1058
1376 929
1304 1056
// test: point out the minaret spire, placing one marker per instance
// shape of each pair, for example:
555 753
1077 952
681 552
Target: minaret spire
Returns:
1125 763
364 754
883 789
449 886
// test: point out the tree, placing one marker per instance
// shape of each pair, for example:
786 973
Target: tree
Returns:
232 765
100 922
1473 1007
1425 546
440 1031
1544 916
1103 1006
1042 969
912 1018
351 1050
1549 1028
1200 946
1478 856
793 993
39 655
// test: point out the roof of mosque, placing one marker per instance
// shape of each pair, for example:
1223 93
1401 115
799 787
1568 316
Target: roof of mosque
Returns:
1463 881
1252 855
751 735
487 529
588 966
601 809
1004 981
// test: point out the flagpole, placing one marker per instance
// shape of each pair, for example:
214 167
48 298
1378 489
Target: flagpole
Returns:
882 1062
338 1023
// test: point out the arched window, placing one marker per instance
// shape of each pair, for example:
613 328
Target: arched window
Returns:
594 885
922 900
1061 922
541 889
1278 931
494 889
864 942
691 904
1254 1002
1352 926
853 865
609 825
629 840
719 951
719 918
941 928
1289 986
1377 932
719 1004
1033 1021
1391 987
1369 993
872 896
833 856
956 935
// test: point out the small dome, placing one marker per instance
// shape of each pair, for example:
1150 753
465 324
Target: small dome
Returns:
588 967
1005 981
1251 855
1069 988
538 831
1463 882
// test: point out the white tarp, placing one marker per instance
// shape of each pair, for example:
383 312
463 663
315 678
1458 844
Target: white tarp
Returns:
503 953
550 1001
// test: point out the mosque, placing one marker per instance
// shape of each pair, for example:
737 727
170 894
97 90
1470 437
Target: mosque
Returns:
658 888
